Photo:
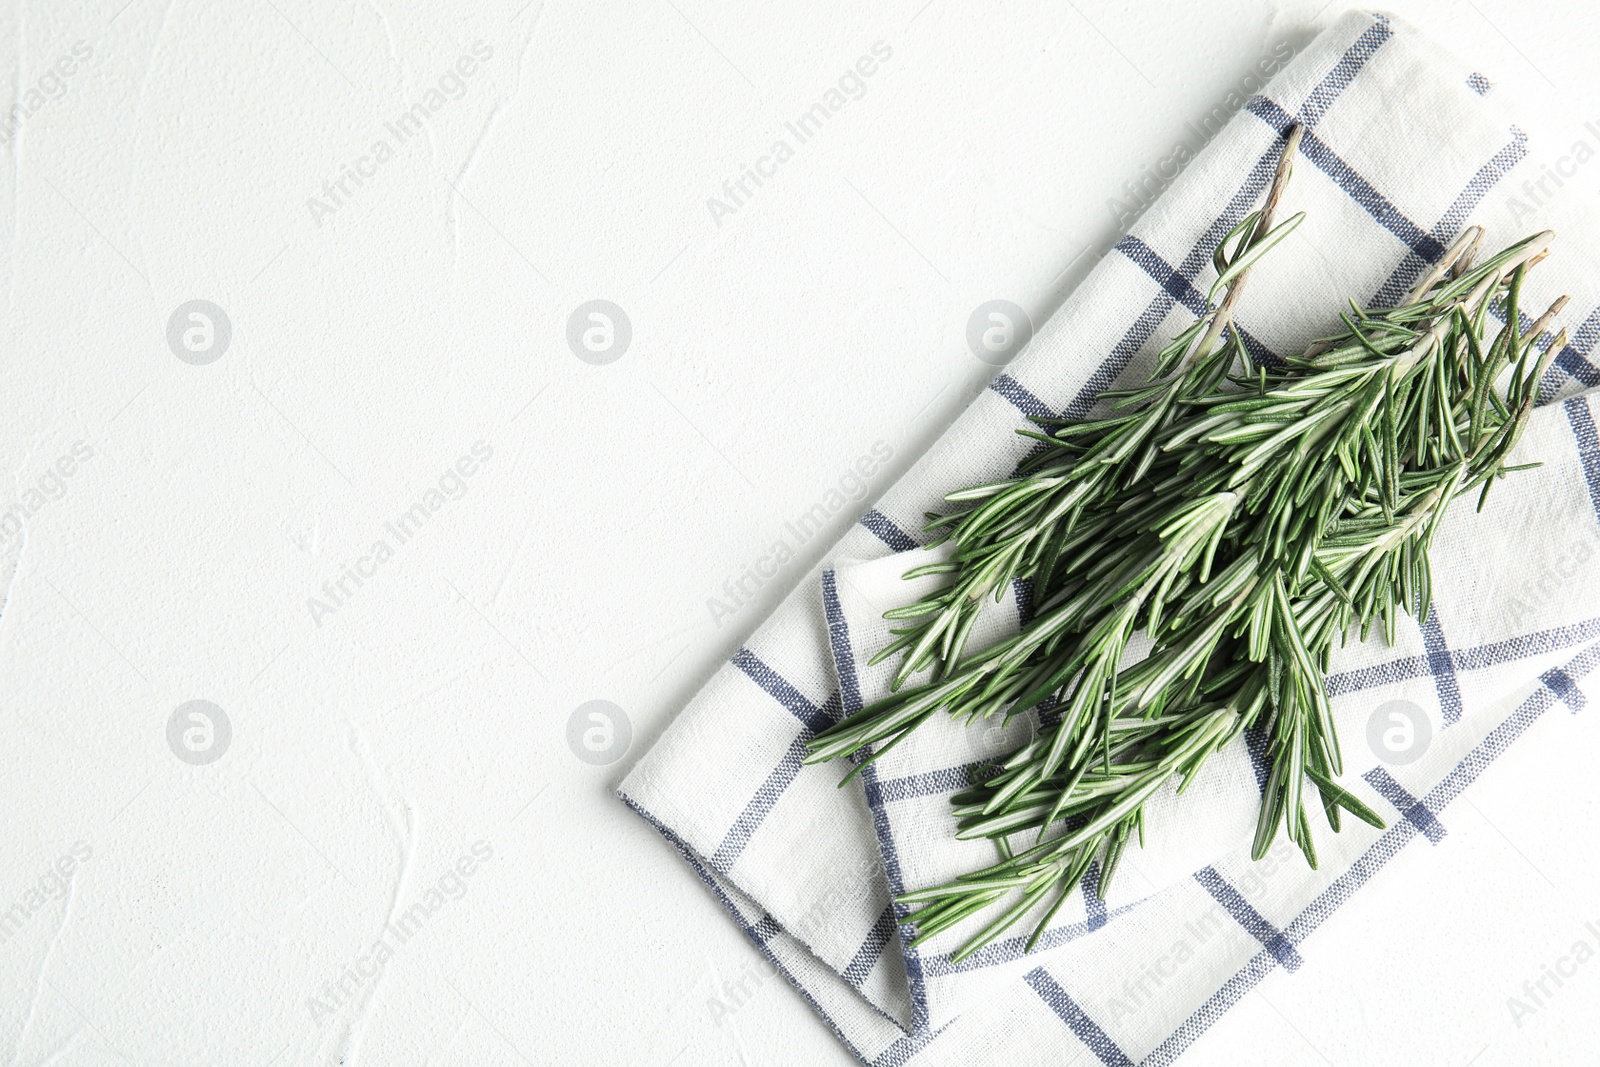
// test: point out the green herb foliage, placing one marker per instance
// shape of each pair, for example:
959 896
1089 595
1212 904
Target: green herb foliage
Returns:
1244 518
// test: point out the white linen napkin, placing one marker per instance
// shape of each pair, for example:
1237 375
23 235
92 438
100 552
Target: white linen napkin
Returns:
1403 147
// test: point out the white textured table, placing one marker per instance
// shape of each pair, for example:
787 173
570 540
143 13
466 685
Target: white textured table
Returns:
399 499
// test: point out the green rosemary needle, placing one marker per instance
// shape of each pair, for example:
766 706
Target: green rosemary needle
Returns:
1244 518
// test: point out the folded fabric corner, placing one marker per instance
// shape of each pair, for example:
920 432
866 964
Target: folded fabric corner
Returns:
1403 145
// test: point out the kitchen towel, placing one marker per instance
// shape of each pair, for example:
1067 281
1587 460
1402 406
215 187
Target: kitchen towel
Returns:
1403 147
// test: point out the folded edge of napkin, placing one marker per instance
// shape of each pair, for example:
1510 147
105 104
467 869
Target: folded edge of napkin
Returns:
880 531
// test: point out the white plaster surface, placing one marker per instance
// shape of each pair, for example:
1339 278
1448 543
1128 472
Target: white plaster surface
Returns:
415 725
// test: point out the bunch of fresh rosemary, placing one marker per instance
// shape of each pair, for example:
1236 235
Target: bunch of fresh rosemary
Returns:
1243 517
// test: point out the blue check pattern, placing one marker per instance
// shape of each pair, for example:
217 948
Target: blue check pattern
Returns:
1418 814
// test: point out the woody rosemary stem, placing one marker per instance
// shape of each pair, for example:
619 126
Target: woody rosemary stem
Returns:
1243 517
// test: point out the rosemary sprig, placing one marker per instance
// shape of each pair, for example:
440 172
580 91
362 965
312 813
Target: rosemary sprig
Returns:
1021 526
1243 517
